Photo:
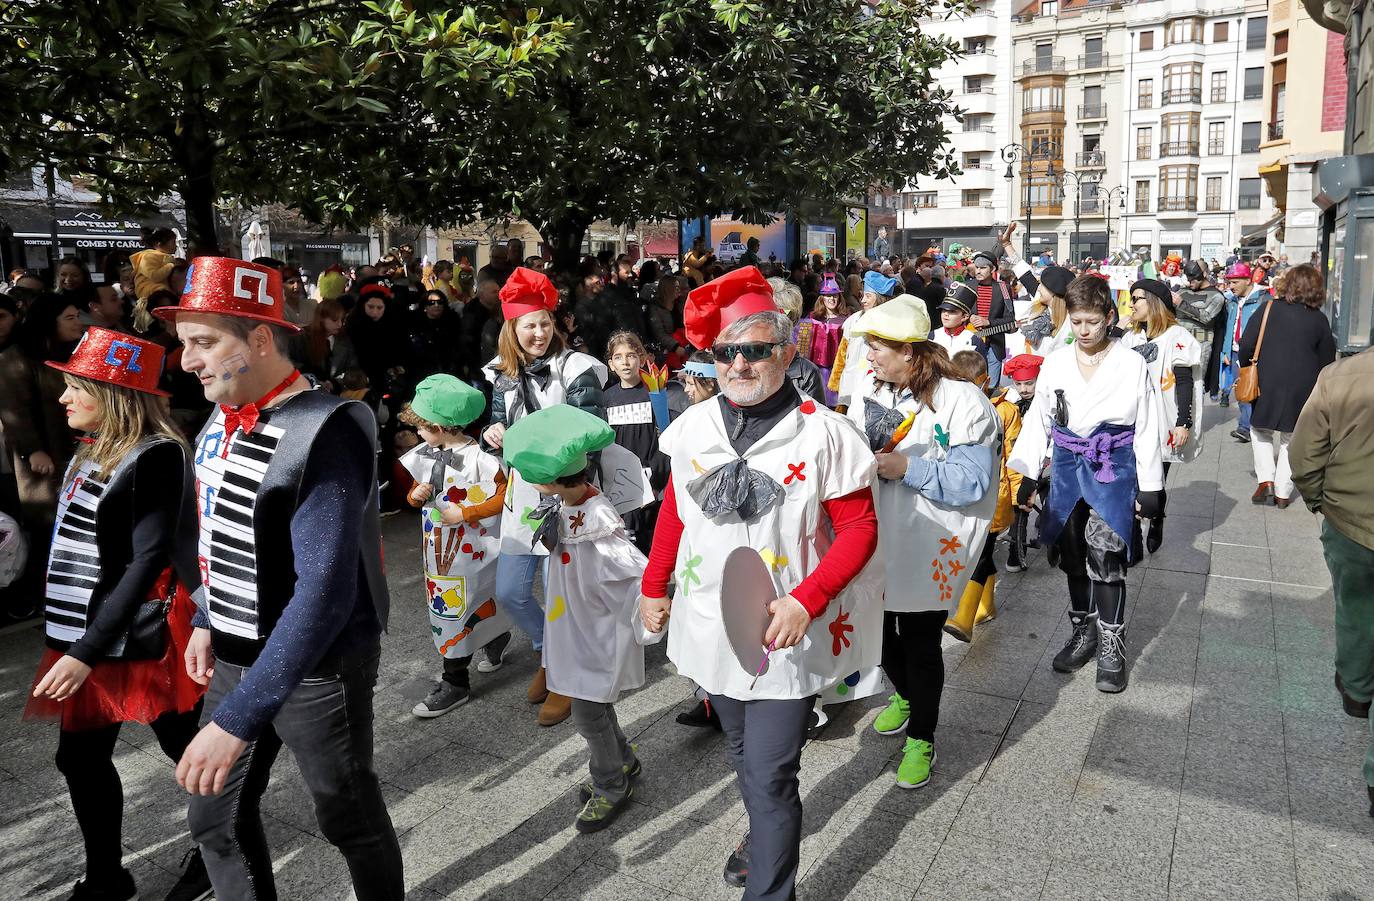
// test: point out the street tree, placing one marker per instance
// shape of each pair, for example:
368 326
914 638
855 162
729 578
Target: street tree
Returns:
310 103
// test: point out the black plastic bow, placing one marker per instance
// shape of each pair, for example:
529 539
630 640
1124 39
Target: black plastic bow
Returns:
734 488
546 533
1149 350
443 458
879 423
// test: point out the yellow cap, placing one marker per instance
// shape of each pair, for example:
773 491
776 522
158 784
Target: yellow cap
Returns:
903 318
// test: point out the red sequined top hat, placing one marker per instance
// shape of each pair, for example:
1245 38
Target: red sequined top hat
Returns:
736 294
117 359
527 291
227 287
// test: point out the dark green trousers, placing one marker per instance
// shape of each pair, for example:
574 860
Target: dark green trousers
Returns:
1352 582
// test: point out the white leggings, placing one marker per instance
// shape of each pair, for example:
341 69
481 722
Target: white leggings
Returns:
1271 459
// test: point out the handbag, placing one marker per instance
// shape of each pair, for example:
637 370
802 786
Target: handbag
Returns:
146 638
1247 382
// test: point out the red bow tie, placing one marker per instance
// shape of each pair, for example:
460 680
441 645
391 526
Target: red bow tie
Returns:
246 416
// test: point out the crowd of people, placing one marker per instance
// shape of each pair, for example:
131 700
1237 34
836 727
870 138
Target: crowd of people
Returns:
802 476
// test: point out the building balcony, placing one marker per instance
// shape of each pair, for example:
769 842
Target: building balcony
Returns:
1095 61
979 24
1177 206
1091 207
1044 209
979 138
1043 65
1276 131
1092 159
1051 108
976 64
1144 152
1178 148
981 102
979 177
1180 95
1248 202
1249 146
1252 93
950 214
1216 148
1091 111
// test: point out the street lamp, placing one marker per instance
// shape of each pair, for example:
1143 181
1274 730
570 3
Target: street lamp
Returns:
1015 153
1121 203
1077 211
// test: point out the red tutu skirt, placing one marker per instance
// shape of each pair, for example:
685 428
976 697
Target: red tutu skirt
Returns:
127 691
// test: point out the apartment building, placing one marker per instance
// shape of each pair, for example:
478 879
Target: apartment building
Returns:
971 207
1306 62
1070 59
1195 94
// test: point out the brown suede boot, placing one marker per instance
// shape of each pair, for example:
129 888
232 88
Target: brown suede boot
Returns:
556 709
539 688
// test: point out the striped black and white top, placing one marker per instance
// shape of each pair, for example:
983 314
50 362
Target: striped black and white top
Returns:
228 479
74 560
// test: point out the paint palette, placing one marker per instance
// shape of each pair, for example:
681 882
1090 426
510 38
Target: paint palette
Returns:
746 590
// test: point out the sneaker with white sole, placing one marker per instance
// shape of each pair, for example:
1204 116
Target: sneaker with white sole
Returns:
194 884
917 758
442 698
493 655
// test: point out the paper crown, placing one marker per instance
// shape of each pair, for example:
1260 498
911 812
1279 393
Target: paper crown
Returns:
736 294
116 359
227 287
527 291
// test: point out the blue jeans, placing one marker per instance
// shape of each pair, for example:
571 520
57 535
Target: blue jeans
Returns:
515 575
1245 411
994 357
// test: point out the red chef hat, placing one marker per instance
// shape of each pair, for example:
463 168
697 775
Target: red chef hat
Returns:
228 287
736 294
527 291
1023 367
116 358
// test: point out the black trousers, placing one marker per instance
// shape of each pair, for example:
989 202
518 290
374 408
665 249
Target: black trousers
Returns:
86 760
915 666
986 565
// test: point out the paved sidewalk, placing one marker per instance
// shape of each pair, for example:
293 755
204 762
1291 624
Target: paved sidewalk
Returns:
1227 770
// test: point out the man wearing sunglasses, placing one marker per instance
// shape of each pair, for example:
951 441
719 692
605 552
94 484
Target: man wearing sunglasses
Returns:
779 487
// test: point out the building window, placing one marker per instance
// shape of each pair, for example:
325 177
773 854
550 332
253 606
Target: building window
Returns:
1216 138
1093 56
1183 83
1040 100
1221 32
977 123
1249 137
1254 83
1142 197
1255 32
927 200
1049 8
973 84
1213 193
1219 86
1178 187
1144 141
1044 191
1281 43
1145 93
1248 197
1280 98
973 198
975 46
1147 40
1179 134
1183 31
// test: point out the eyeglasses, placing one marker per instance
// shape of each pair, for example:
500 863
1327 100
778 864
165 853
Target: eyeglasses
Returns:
436 303
752 351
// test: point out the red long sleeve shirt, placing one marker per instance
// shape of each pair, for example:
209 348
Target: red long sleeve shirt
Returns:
856 537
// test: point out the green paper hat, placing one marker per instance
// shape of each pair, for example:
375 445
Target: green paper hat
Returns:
447 400
554 442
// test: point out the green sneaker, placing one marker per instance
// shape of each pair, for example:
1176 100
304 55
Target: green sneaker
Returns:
917 758
893 718
632 773
600 811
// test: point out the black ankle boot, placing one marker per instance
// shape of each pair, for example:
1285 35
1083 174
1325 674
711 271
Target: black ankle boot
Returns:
1156 535
1137 542
1081 646
1111 657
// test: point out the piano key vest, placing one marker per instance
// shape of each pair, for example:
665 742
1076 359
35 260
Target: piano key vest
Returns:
247 488
92 544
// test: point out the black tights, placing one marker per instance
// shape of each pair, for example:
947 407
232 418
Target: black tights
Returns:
915 666
1094 559
986 565
86 759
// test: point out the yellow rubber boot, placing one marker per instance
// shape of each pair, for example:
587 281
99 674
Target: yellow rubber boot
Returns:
987 606
960 625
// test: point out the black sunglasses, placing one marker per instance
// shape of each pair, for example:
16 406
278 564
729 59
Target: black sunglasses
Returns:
436 303
752 351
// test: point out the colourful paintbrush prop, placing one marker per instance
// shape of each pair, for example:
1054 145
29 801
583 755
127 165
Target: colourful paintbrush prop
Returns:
655 378
763 664
903 429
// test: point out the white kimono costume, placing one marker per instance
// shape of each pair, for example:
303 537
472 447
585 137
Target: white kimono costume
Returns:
517 530
856 365
930 548
815 455
592 605
1121 392
1175 347
460 560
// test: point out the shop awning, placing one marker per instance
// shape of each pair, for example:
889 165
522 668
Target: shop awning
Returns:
1260 231
83 227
